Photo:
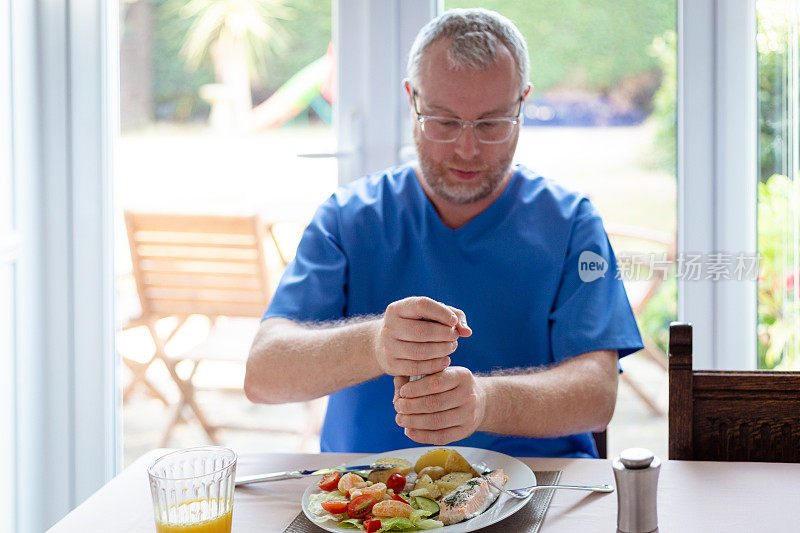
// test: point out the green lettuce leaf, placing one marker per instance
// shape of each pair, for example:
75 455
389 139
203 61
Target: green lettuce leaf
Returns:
428 523
397 523
320 514
351 523
420 519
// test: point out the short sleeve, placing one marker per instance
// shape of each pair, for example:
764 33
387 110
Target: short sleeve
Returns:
312 287
591 310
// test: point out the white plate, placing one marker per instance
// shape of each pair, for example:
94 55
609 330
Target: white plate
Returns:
519 475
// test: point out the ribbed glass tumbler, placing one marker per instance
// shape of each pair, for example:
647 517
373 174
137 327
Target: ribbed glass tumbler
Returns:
192 490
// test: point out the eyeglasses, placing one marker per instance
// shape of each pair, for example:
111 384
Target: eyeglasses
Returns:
493 130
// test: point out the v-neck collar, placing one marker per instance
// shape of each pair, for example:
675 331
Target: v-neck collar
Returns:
487 218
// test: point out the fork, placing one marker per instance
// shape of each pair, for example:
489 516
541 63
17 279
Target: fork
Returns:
524 492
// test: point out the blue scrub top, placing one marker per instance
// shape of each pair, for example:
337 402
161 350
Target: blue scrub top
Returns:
514 271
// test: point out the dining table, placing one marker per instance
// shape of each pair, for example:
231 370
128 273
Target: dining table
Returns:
692 496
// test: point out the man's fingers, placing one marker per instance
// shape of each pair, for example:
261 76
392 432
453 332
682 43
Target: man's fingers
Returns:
463 329
435 383
399 381
421 351
403 367
421 307
415 330
433 421
431 403
438 437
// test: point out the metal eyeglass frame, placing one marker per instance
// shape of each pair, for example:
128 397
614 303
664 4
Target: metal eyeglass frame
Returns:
514 120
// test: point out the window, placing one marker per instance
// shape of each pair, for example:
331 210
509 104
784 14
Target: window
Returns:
778 187
216 123
601 120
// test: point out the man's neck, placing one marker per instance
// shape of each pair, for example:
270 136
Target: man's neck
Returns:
454 215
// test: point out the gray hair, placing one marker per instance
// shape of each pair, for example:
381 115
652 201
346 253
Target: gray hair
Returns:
474 34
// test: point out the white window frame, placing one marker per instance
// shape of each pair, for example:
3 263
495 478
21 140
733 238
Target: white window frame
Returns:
372 119
63 72
10 249
717 173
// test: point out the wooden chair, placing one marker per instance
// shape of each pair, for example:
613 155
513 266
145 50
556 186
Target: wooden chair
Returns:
720 415
601 440
216 266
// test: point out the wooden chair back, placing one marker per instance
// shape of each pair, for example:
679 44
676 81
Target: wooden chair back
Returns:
199 264
720 415
601 441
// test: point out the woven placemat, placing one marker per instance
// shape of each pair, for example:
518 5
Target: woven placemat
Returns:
526 520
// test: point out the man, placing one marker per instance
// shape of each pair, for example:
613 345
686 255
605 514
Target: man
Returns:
459 268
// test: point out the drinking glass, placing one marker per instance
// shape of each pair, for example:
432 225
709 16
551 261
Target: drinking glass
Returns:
192 490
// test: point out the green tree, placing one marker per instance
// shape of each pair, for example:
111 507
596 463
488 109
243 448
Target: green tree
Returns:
772 41
778 306
586 44
664 49
236 35
309 32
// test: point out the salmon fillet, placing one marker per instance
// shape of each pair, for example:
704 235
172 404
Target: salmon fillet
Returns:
471 499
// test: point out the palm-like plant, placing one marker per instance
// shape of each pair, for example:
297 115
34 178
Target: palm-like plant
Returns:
238 35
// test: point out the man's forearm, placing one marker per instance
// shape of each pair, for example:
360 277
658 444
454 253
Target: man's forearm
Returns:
291 362
573 397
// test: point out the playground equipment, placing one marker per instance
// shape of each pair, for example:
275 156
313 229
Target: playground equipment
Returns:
313 86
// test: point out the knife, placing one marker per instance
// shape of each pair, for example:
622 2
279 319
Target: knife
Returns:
293 474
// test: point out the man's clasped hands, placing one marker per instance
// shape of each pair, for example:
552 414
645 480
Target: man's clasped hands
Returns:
417 336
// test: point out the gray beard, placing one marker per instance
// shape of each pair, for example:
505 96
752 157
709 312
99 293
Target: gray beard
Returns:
435 176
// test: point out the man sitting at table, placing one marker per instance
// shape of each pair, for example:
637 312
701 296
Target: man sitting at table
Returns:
495 283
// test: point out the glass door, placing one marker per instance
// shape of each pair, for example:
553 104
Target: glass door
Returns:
220 105
601 120
778 185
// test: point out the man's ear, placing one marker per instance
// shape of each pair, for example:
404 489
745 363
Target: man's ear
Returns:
527 91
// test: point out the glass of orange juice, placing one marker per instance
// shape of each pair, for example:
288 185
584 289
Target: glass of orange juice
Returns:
192 490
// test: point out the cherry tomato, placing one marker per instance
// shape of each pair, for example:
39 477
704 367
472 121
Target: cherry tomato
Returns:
399 498
372 525
329 481
335 506
361 506
396 482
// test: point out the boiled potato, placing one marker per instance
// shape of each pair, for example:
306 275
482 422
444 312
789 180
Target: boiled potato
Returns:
434 472
435 457
401 464
450 482
456 463
380 476
425 483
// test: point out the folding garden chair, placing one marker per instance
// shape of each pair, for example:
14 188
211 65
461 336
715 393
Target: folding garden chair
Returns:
221 267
